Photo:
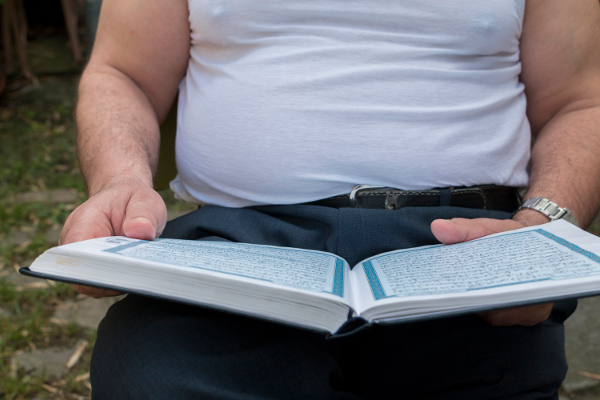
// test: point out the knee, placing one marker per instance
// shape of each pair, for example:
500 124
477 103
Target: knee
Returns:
124 364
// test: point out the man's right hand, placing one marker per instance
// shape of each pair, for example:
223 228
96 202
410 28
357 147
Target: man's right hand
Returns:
125 208
140 56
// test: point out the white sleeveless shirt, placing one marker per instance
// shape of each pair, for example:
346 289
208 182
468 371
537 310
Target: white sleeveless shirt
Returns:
293 101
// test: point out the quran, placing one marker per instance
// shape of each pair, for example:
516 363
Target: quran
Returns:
321 291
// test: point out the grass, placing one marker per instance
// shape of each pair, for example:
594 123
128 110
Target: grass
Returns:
38 154
29 328
38 150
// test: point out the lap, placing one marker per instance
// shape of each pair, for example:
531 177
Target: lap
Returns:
456 358
154 349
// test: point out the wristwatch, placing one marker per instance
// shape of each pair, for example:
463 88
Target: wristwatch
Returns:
549 208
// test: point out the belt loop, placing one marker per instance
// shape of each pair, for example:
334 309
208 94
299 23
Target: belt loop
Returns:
445 196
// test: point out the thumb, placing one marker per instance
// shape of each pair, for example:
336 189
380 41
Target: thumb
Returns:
144 219
447 231
139 228
456 230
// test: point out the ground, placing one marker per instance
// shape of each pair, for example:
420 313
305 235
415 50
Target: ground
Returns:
47 330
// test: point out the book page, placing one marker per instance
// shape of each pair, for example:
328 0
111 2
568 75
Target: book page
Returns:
296 268
503 260
296 286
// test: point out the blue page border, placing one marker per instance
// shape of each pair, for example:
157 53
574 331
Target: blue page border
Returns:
374 281
379 292
575 248
338 278
115 250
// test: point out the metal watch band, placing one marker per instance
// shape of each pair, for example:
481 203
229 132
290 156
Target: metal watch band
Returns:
549 209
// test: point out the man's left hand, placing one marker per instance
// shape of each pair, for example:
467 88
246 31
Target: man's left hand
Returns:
458 230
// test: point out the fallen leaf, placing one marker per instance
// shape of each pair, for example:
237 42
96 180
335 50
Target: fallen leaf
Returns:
589 375
82 377
23 245
42 184
76 355
49 388
36 285
33 347
63 306
13 368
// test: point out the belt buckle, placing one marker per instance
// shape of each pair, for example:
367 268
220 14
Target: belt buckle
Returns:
352 197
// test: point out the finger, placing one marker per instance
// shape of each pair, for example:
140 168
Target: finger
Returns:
96 292
456 230
145 216
140 228
524 316
84 224
448 232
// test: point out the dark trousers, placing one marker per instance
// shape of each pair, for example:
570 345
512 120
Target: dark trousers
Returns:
153 349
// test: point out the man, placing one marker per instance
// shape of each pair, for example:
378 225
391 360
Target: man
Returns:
296 102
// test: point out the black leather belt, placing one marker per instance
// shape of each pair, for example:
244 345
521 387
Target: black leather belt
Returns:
488 197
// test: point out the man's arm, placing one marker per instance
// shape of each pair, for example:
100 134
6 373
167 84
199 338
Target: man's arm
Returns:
560 52
139 57
560 55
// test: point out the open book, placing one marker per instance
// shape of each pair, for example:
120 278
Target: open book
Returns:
320 290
